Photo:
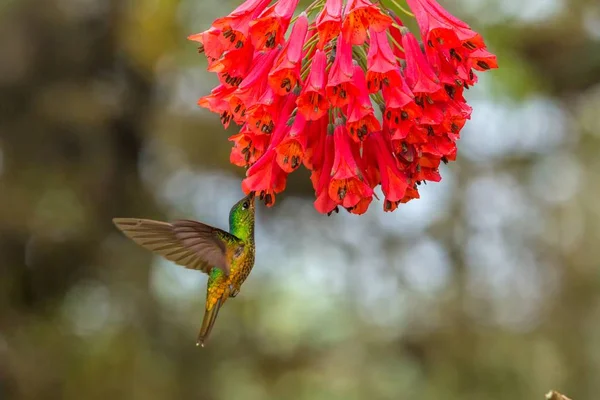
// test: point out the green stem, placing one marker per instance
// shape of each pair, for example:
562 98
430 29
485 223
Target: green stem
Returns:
311 42
361 56
311 8
394 42
401 8
378 97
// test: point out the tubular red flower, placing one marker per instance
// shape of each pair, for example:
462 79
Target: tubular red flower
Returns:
218 102
329 22
438 146
316 131
393 181
452 46
362 206
348 184
234 27
307 97
265 176
285 74
321 178
406 154
340 86
418 73
440 28
267 179
382 68
312 102
233 66
427 169
290 152
210 44
396 35
253 86
401 112
445 69
361 117
411 193
359 16
261 115
267 31
248 147
455 117
483 60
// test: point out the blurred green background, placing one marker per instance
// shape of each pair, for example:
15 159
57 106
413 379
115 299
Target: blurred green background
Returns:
488 287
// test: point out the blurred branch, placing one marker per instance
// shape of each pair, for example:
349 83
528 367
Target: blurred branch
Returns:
554 395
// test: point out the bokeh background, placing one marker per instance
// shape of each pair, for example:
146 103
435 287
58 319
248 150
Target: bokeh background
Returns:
488 287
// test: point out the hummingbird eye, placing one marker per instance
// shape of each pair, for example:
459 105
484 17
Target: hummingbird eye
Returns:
245 205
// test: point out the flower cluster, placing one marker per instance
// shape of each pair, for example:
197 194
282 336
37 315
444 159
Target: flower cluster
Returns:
349 93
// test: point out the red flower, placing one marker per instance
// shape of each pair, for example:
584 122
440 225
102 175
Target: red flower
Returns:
290 152
411 193
427 169
483 60
382 67
359 16
393 181
440 28
456 115
266 176
348 185
401 111
362 206
445 69
233 66
329 22
396 35
419 75
210 44
438 146
316 131
340 87
253 86
234 27
312 102
361 118
218 102
261 115
248 147
268 29
285 74
304 99
458 47
321 178
267 179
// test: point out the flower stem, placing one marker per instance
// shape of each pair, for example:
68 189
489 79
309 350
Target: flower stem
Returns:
311 42
311 8
361 56
378 98
394 42
403 9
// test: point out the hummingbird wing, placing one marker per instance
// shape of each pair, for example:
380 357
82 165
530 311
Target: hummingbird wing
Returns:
191 244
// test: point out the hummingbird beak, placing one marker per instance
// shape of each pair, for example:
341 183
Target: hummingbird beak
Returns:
251 198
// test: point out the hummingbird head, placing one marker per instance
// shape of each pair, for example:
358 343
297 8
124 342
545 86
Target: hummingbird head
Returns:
242 212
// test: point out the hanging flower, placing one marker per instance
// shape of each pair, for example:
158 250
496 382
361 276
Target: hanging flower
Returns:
307 90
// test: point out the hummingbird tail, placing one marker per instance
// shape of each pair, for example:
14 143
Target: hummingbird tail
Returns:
210 316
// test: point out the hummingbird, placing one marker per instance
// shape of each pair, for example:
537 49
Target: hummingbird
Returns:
227 257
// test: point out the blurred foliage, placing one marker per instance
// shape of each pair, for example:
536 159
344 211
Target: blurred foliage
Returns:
486 288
